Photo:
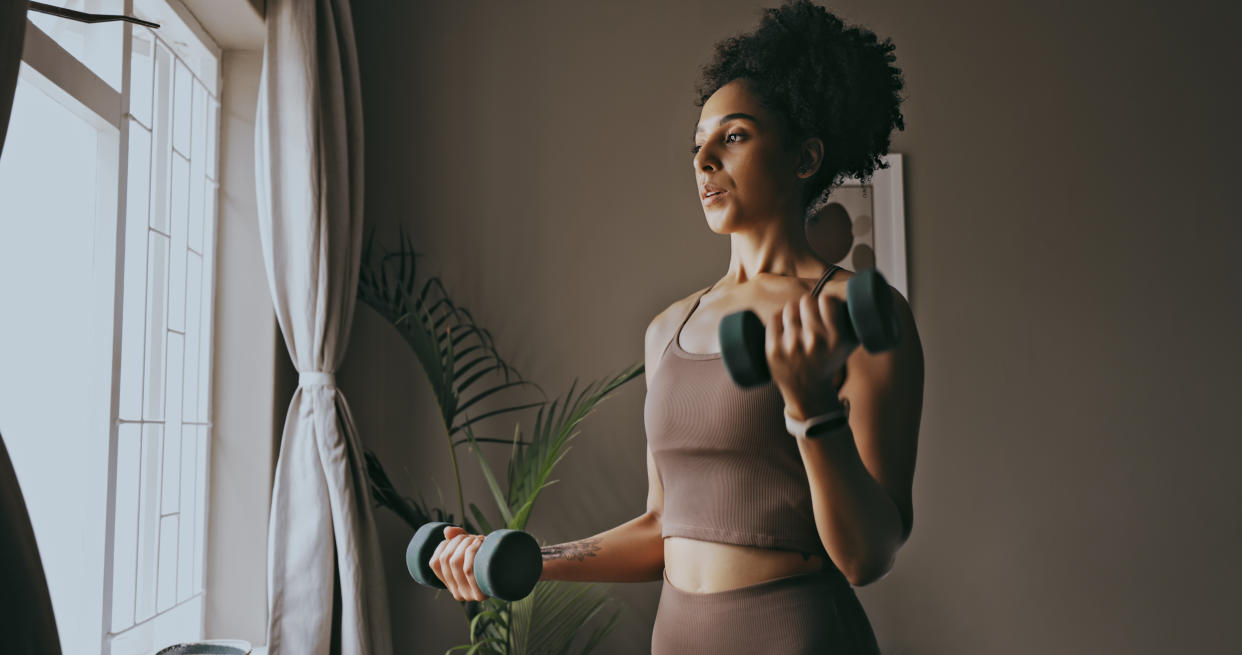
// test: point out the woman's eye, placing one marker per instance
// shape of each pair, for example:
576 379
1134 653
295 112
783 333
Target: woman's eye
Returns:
694 150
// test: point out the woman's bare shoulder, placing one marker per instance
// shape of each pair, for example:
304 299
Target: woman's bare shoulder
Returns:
661 329
662 326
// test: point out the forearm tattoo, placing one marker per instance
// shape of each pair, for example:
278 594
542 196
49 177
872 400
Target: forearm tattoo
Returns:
579 550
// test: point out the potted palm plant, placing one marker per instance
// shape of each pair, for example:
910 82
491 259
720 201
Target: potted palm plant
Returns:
457 356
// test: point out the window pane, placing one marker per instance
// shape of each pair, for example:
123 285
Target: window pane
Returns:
164 302
180 211
205 309
177 322
167 593
140 77
172 433
157 287
200 503
181 108
48 221
185 541
198 167
125 537
193 329
98 45
162 138
213 129
135 295
178 36
148 520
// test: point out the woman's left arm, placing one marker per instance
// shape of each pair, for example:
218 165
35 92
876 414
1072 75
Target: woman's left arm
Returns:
861 475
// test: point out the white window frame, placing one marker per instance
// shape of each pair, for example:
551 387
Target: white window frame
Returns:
76 86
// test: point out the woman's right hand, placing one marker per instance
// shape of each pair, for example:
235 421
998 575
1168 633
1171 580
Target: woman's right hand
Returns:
453 563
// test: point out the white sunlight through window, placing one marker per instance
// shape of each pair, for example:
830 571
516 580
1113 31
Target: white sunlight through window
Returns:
109 180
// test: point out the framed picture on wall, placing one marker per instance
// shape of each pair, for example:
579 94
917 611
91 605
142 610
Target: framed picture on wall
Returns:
864 225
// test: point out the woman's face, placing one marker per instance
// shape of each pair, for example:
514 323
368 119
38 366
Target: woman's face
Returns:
739 147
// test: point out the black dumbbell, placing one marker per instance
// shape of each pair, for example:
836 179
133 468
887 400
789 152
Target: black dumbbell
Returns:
506 566
872 320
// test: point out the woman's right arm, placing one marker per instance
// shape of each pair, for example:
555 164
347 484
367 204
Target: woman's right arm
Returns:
632 551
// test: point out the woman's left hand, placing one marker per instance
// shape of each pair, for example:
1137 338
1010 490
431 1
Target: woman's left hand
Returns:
806 354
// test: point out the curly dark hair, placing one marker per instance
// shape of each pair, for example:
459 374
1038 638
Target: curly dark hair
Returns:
824 79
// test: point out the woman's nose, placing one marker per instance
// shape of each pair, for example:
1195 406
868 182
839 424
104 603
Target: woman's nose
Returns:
705 161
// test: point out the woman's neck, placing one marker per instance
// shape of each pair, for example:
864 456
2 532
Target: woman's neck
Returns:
750 258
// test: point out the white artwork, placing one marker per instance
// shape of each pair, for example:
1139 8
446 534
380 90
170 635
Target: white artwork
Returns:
864 225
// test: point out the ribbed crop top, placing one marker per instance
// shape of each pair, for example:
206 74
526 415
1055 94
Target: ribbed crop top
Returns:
731 472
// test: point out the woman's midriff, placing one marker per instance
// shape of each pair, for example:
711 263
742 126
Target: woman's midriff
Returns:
696 566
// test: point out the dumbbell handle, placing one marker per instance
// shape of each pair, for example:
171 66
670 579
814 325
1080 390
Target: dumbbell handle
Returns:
507 564
869 320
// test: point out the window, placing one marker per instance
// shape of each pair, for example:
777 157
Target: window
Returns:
108 176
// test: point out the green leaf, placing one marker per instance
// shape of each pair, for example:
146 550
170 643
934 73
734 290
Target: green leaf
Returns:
491 391
474 623
478 648
599 634
484 525
549 619
499 495
502 411
523 513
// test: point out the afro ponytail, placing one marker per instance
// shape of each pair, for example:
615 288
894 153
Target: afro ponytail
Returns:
825 79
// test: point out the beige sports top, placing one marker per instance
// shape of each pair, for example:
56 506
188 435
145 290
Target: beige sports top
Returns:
731 472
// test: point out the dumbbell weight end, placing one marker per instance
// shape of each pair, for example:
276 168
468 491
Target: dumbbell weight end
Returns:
507 564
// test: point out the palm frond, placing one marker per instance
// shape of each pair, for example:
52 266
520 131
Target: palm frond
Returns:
458 358
551 617
440 333
385 495
532 463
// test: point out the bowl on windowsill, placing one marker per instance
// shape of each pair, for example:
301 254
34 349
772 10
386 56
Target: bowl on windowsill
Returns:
209 647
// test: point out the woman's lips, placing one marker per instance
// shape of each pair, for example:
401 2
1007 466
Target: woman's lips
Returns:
714 198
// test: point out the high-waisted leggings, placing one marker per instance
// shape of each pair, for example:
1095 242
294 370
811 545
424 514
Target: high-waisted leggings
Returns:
815 612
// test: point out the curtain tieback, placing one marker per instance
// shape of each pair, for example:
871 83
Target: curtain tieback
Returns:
316 379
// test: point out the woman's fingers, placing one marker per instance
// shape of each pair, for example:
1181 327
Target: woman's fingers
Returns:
441 564
792 330
453 562
440 558
456 560
802 342
813 310
467 567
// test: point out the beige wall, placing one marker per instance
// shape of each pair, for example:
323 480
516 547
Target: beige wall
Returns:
1072 235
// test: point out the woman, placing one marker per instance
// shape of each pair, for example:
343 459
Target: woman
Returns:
765 529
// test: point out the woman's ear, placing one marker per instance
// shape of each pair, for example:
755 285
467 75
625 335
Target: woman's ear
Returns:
810 155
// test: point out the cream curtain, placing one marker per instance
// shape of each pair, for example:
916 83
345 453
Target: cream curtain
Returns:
323 552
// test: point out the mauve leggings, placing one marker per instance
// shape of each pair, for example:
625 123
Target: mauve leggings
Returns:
805 613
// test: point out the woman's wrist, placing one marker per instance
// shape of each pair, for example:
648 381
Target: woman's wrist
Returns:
801 409
817 425
818 399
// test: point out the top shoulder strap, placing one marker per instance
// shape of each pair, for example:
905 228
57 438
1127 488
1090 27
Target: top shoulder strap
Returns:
832 268
685 319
